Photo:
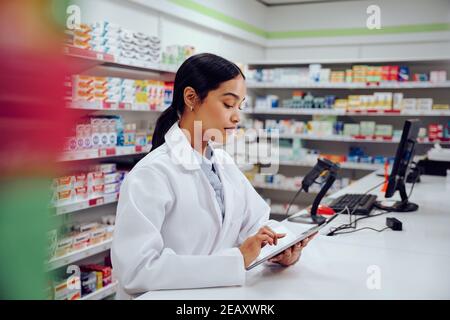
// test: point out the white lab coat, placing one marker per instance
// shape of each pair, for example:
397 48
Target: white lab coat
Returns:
169 231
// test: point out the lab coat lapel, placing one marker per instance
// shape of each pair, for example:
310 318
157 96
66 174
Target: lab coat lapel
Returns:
228 194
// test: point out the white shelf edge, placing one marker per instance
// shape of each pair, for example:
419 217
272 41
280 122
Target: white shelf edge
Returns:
84 204
346 61
343 165
346 139
327 85
106 58
270 187
115 110
102 293
293 111
78 255
95 153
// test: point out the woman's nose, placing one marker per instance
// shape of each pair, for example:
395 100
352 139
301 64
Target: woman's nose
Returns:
235 118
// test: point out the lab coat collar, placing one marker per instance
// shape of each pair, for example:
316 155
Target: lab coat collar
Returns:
182 152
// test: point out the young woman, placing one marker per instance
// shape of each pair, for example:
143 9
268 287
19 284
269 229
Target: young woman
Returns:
187 217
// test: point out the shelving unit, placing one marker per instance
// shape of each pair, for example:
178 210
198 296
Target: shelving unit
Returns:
100 64
339 144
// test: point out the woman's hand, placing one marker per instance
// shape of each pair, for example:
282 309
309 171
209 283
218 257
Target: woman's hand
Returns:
291 255
251 247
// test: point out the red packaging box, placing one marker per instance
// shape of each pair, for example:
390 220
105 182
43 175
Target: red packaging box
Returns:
106 272
393 73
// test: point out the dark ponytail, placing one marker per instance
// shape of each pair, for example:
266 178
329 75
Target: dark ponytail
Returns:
203 72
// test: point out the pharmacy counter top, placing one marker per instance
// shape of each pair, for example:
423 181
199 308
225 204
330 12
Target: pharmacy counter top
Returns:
409 264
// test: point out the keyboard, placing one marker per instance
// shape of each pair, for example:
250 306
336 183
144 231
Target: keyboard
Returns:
361 204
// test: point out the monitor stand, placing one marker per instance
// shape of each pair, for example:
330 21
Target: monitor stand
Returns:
401 206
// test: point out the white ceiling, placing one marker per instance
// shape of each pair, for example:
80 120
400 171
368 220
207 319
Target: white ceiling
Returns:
287 2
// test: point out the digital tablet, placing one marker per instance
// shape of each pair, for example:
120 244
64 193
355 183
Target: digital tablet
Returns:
270 251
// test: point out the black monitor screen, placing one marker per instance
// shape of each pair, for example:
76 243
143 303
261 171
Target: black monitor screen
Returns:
403 156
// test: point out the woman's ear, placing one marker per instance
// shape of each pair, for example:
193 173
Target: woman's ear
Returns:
190 98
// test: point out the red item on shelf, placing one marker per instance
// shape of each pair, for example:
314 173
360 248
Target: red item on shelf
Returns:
105 270
386 177
393 73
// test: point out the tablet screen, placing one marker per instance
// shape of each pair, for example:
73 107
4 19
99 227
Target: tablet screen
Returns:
268 251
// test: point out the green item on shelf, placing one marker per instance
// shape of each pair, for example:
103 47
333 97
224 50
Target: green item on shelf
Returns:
383 130
351 129
367 128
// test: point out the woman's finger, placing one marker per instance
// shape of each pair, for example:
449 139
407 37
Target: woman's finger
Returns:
277 258
297 247
269 232
304 243
288 253
264 238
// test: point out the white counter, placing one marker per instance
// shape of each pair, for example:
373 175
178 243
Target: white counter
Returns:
409 264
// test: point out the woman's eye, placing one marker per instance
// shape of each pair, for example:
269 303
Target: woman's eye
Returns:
227 106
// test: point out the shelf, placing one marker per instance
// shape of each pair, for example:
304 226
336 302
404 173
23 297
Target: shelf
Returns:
103 153
381 85
84 204
102 293
112 106
348 139
282 188
352 61
343 165
376 113
78 255
95 58
272 187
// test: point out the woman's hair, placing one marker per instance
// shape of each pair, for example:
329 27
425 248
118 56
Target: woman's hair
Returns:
203 72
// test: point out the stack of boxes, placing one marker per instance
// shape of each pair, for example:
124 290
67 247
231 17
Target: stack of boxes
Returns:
96 132
125 45
357 74
436 132
138 93
175 54
139 46
84 235
106 131
100 180
92 278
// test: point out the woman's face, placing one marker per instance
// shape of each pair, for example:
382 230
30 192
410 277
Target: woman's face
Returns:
220 110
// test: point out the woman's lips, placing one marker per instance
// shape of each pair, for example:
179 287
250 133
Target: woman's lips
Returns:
230 130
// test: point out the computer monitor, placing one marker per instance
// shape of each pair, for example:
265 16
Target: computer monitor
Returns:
400 168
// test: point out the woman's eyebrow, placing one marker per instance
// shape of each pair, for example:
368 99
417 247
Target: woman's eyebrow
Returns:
233 95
